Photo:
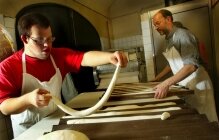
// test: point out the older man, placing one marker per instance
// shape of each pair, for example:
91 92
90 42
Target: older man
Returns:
183 57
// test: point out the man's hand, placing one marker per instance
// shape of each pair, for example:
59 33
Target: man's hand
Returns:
39 98
161 90
96 58
119 57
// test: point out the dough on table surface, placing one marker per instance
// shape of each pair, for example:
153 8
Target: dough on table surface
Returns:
165 116
64 135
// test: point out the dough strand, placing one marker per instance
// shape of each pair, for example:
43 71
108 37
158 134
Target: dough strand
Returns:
97 106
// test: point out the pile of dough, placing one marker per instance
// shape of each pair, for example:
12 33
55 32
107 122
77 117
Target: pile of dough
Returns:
165 116
64 135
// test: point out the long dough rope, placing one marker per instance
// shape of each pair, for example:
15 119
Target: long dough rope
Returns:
90 110
163 116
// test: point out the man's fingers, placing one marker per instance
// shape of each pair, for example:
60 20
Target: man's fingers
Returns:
43 91
159 95
46 97
42 103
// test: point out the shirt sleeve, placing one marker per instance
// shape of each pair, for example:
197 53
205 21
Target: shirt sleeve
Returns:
4 90
187 45
7 84
68 60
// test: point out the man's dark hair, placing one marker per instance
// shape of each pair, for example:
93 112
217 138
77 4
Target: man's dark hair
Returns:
179 25
28 20
166 13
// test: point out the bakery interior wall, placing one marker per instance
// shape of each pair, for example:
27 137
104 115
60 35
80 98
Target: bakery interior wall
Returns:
118 22
114 20
10 8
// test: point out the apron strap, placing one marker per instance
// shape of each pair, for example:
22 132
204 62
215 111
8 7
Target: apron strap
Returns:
23 63
53 62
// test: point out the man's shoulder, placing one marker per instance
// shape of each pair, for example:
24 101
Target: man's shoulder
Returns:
13 58
182 31
12 63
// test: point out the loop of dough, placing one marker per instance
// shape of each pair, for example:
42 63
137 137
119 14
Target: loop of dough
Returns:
90 110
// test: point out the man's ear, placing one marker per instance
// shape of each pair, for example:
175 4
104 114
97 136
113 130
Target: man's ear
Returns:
24 38
168 18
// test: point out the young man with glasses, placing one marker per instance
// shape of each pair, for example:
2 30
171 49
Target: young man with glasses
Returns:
31 75
183 57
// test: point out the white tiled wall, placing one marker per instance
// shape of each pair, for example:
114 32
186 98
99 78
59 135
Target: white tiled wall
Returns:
128 42
105 44
148 49
137 41
122 43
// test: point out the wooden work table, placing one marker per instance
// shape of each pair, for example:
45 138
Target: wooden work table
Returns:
46 124
122 96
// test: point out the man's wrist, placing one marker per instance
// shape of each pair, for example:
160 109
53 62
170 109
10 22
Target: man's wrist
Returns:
169 82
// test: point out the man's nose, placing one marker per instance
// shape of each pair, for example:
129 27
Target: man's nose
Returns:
46 44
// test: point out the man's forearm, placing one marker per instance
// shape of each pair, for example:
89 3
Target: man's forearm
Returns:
164 72
95 58
182 74
14 105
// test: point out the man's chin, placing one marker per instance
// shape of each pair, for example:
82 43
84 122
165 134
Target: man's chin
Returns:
161 33
44 56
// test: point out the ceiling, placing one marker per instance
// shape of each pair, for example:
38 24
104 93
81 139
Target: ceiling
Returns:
115 8
100 6
107 8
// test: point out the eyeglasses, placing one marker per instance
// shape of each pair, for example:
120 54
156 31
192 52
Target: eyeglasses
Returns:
157 23
42 41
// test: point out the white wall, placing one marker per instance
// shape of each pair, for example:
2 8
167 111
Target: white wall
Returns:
125 16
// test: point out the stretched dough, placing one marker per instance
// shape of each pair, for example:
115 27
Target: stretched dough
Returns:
137 106
119 113
64 135
90 110
113 119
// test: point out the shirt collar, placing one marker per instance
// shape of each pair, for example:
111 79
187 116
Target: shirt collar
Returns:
171 33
